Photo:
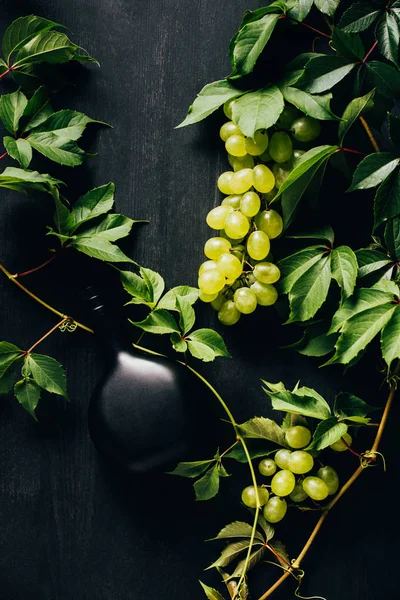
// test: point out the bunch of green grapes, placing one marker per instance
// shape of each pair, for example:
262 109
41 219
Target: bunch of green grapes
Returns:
291 473
239 273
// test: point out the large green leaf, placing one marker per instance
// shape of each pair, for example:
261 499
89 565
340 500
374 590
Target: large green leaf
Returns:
22 180
59 149
392 238
61 215
388 36
27 392
22 30
67 124
261 428
360 16
387 199
304 402
350 407
7 382
95 202
250 41
315 341
312 105
328 7
37 110
209 338
136 287
97 247
324 72
9 353
301 10
347 44
309 292
353 111
159 321
48 374
20 150
364 300
211 97
258 110
207 486
291 197
50 46
326 433
187 316
155 283
12 108
344 269
391 338
168 301
373 169
370 261
384 77
113 227
295 265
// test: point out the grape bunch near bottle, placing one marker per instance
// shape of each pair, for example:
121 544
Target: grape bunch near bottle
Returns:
239 273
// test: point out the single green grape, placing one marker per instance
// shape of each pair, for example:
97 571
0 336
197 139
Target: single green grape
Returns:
282 458
287 117
270 222
233 201
339 445
228 129
232 241
280 174
258 144
228 314
224 181
267 467
229 265
249 497
265 293
280 147
298 436
236 225
315 488
211 281
275 509
250 204
218 302
245 300
283 483
241 162
216 217
228 106
208 264
242 181
265 156
298 494
263 179
216 246
305 129
330 477
236 145
207 297
266 272
258 245
300 462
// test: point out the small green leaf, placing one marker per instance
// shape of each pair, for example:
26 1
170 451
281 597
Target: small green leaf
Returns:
310 291
6 382
38 109
97 247
390 338
261 428
168 301
370 261
291 197
250 41
315 341
211 593
178 344
360 16
324 72
207 486
58 149
254 559
61 215
66 124
313 105
294 266
347 44
304 401
392 238
387 199
158 321
320 233
48 374
238 529
384 77
365 299
301 10
344 269
155 283
113 227
9 353
356 108
187 316
22 30
136 287
372 170
328 7
12 108
191 469
22 181
94 203
211 97
50 47
19 150
231 552
211 339
350 407
27 392
200 351
326 433
258 110
388 36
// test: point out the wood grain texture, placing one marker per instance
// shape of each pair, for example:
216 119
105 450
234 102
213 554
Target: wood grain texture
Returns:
70 529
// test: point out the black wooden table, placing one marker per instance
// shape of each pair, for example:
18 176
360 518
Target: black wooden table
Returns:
70 530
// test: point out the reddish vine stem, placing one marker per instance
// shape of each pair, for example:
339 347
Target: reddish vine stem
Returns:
326 35
5 72
47 334
3 155
353 151
370 52
46 262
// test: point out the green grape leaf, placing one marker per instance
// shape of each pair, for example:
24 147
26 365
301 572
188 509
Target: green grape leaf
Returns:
64 124
360 16
155 283
294 266
207 486
373 169
325 233
211 593
387 199
168 301
326 433
205 341
61 216
254 559
344 269
394 131
347 44
258 110
19 150
304 401
94 203
58 149
187 316
211 97
191 469
238 454
392 238
328 7
238 529
390 338
113 227
7 382
365 300
27 392
309 292
324 72
353 111
159 321
370 261
22 30
313 105
9 353
266 527
384 77
97 247
231 552
315 341
178 344
261 428
50 46
274 387
249 42
136 287
301 10
22 181
388 36
48 374
38 109
12 108
350 407
292 196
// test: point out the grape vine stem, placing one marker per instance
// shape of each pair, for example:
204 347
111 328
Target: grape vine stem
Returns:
46 335
296 562
370 135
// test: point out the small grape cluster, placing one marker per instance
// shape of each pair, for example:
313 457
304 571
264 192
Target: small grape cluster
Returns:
283 470
239 273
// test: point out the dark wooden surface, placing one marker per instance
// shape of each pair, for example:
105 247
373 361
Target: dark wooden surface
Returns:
70 530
